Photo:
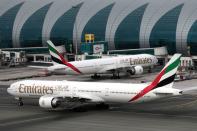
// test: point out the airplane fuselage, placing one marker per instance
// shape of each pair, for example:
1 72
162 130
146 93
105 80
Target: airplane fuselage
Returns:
105 65
100 92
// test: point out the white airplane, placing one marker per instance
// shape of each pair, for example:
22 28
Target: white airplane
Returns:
132 64
53 94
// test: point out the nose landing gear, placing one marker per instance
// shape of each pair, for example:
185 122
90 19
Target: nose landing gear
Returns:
20 102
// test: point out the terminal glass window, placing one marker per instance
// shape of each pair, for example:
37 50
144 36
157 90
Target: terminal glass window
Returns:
164 31
97 24
62 31
6 26
31 33
192 39
127 34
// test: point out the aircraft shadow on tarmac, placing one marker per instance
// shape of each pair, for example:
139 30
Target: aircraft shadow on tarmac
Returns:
184 104
172 107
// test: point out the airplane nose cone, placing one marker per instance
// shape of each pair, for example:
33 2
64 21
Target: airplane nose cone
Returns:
156 60
10 89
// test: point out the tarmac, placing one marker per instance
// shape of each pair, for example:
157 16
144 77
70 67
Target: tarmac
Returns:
177 113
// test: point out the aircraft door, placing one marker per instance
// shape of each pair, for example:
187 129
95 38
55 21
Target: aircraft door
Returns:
106 91
74 91
118 63
96 67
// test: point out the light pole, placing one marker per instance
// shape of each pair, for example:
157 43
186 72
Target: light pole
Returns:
75 24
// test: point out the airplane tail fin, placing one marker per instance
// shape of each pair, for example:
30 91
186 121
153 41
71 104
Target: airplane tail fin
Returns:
56 57
164 79
167 75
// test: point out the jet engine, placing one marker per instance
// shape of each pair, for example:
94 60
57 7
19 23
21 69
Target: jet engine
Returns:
49 102
137 70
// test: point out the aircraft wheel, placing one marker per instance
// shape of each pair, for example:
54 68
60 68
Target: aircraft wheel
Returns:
105 107
115 77
79 109
20 103
95 76
102 106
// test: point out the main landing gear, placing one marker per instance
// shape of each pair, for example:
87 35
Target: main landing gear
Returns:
102 106
95 76
150 70
116 75
20 102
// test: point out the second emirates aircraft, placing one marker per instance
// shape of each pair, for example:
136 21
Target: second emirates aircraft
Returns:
132 64
53 94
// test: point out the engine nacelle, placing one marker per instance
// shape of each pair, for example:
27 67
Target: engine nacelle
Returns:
137 70
49 102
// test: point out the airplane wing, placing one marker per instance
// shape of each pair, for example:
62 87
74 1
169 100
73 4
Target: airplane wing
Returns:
81 97
188 89
49 68
54 101
39 67
90 98
110 69
162 92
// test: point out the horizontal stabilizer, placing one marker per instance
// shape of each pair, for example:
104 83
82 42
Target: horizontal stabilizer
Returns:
39 67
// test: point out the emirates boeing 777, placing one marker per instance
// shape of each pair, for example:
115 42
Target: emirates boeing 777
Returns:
53 94
130 64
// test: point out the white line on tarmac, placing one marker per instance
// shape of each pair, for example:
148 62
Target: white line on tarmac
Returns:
27 120
156 114
7 105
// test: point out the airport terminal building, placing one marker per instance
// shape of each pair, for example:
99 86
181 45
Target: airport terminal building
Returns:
124 24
